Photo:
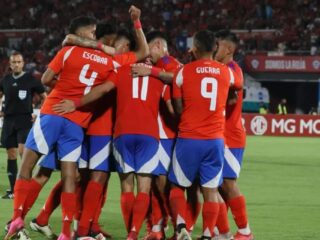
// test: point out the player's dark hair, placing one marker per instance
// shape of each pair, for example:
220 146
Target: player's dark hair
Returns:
124 33
156 34
105 28
204 41
227 35
81 21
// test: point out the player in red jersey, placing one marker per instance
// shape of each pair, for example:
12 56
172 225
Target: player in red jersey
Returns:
136 143
43 137
100 158
107 34
164 68
235 140
200 91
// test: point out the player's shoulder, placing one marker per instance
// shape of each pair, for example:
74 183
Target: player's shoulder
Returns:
234 66
169 60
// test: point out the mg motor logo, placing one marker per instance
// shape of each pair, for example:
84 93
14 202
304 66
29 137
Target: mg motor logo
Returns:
259 125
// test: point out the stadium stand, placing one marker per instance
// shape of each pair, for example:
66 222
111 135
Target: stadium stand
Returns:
265 27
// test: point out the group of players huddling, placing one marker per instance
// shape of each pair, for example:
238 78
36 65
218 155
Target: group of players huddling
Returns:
174 130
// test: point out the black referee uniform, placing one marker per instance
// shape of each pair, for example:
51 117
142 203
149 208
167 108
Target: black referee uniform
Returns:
17 122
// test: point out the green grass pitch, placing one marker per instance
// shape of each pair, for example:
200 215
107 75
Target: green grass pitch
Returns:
280 179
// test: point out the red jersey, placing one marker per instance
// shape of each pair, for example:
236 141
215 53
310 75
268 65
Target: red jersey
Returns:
203 86
235 136
168 125
137 103
103 117
102 121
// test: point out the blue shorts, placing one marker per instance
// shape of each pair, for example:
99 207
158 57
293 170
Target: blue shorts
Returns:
197 158
232 162
100 153
50 160
136 153
165 152
51 131
84 156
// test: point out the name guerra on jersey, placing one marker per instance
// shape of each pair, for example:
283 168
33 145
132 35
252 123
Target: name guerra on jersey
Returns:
208 70
95 58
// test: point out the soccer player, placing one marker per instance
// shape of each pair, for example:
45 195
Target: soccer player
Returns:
235 140
79 69
164 69
135 144
18 88
100 156
200 91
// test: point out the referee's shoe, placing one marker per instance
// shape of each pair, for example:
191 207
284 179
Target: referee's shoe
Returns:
9 195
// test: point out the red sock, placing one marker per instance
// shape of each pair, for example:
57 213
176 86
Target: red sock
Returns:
21 190
222 221
34 190
50 205
192 213
79 192
95 223
238 208
68 210
178 205
156 213
139 210
91 201
127 201
210 212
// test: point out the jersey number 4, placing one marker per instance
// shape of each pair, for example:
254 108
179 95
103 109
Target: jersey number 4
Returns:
212 94
144 87
87 81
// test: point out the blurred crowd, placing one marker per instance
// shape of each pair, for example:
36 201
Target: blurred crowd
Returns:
294 25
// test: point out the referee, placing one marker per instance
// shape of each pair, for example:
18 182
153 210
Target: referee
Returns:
18 89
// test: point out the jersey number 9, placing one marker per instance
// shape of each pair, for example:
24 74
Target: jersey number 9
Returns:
212 94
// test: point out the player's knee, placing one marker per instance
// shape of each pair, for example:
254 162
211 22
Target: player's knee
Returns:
99 177
12 153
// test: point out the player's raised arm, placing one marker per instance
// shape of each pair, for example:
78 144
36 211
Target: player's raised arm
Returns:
72 39
142 46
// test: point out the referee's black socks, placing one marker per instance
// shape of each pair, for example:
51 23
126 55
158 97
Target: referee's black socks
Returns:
12 169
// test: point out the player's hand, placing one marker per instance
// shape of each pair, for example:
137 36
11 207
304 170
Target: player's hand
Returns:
34 117
64 106
135 13
140 70
68 40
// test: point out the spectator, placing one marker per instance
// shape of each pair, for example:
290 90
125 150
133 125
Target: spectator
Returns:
282 107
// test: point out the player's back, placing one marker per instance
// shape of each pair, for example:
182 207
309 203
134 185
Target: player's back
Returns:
79 70
137 104
235 136
204 86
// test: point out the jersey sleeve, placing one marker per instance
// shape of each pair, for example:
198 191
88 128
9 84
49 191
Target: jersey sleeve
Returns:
125 58
177 84
235 76
57 62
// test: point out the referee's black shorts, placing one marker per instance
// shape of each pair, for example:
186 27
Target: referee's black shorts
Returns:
15 130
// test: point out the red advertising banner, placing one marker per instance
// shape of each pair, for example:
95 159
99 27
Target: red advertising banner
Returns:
286 64
282 125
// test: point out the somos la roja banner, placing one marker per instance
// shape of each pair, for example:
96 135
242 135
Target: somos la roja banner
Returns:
286 64
282 125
